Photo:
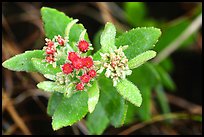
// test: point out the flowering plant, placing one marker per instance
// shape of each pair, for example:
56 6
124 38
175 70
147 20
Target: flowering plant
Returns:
83 83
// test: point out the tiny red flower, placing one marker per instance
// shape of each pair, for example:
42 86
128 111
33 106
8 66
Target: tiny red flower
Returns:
50 58
83 46
85 78
73 56
92 73
80 86
50 50
88 62
60 40
67 68
49 43
77 63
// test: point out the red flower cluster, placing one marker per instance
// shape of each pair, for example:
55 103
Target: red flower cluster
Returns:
50 50
78 63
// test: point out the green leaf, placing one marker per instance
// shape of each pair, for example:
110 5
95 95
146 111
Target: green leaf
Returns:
44 68
130 92
162 99
55 22
70 110
22 62
53 102
138 40
93 94
50 77
75 32
97 55
131 112
108 38
166 79
97 121
113 104
141 59
50 86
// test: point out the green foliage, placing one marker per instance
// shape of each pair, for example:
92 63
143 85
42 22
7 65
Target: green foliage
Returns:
130 92
53 102
97 121
55 22
141 59
138 40
106 104
22 62
108 38
93 94
43 67
70 110
49 86
110 101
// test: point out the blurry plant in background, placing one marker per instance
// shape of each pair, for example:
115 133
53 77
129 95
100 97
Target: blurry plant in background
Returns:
152 78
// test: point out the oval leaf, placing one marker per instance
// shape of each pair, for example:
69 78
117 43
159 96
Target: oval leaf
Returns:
130 92
22 62
141 59
113 104
49 86
138 40
93 94
53 102
108 38
44 67
70 110
97 121
55 22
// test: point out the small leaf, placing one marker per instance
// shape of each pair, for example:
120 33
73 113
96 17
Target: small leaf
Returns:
141 58
108 38
53 102
131 113
138 40
93 94
97 55
22 62
44 67
113 104
55 22
130 92
49 86
97 121
70 110
69 26
50 77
